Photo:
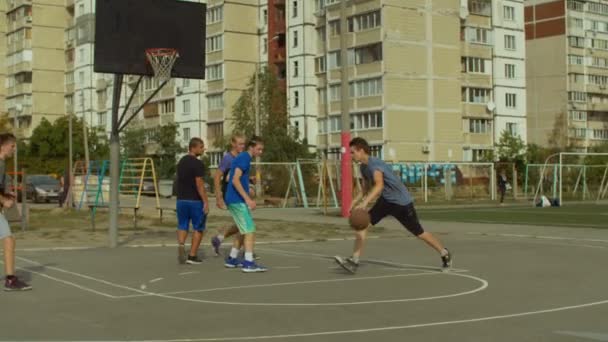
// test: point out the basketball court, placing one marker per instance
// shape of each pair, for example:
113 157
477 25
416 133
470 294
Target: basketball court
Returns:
504 287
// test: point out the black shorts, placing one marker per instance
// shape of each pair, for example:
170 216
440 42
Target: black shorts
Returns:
405 214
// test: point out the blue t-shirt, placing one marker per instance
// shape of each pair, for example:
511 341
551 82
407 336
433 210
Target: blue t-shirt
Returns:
394 190
226 162
243 162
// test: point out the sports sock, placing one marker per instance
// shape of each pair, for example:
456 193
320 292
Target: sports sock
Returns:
249 256
234 253
444 252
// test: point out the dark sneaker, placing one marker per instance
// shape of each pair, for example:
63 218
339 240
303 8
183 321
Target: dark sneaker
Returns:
181 254
347 264
446 261
233 263
193 260
216 243
14 284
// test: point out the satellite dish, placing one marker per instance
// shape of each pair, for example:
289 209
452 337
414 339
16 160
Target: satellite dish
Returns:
19 107
491 106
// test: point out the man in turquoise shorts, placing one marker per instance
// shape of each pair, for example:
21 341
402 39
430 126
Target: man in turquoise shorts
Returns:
240 205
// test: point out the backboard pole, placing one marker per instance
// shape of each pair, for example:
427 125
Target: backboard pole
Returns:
114 163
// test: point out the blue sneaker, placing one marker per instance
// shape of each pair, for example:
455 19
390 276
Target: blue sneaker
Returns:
216 243
233 263
252 267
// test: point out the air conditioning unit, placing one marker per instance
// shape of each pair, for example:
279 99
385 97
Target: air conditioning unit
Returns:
28 19
69 43
426 149
179 90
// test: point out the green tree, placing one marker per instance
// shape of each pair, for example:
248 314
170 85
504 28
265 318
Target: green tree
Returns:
511 149
167 151
281 139
132 143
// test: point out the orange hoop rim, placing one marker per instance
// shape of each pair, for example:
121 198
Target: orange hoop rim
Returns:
161 52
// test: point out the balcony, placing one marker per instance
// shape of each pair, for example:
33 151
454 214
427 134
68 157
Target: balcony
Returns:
478 139
20 23
24 44
23 88
14 4
19 67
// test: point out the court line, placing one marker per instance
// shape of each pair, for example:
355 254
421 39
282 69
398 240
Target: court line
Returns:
484 285
544 237
156 280
388 328
303 282
84 288
307 255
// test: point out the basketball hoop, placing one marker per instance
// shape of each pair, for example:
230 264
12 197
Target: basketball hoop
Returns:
162 61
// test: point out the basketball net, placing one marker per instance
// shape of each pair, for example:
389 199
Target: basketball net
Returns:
162 61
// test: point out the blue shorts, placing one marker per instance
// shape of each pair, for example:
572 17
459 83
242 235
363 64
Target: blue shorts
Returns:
190 211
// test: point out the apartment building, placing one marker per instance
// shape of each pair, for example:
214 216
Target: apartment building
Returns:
3 48
428 80
35 64
567 66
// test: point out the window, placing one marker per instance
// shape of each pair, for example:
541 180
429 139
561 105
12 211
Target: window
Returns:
322 124
577 115
215 72
265 45
187 134
509 13
80 10
322 95
576 78
265 17
186 82
474 65
364 22
578 42
597 79
295 38
481 7
215 101
478 35
215 130
81 77
478 155
576 23
599 44
186 106
334 60
334 28
321 33
215 43
510 100
476 95
480 126
215 158
369 87
368 120
295 68
597 7
510 71
578 132
294 8
335 124
215 14
512 128
166 107
599 62
600 134
320 64
81 57
576 5
577 96
368 54
576 59
335 92
296 99
101 119
509 42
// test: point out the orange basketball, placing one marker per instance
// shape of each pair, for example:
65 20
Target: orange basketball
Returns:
359 219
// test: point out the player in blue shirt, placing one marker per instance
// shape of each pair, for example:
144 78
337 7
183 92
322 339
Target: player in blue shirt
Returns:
240 205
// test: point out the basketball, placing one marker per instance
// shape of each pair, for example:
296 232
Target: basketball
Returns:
359 219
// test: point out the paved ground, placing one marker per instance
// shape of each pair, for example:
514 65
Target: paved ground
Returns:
511 283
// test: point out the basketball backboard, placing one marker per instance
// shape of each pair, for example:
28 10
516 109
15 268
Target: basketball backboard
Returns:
124 29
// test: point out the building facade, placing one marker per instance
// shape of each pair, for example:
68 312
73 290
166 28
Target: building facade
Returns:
567 66
35 64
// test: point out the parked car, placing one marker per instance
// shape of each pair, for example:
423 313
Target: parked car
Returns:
42 188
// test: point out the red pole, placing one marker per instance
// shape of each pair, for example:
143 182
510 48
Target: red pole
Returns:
347 175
